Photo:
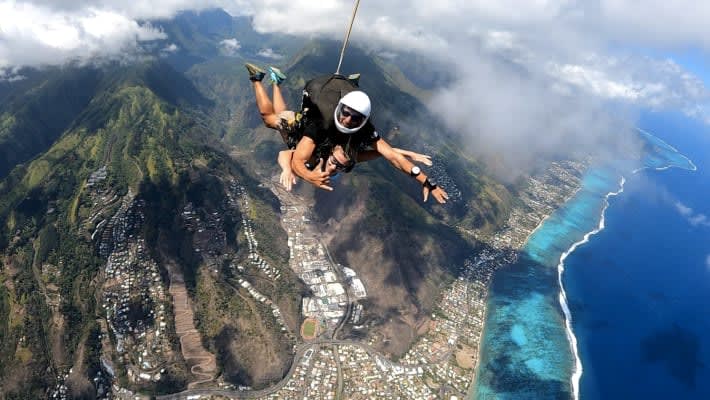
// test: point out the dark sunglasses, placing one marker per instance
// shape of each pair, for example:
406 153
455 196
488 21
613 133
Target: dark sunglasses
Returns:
339 166
355 117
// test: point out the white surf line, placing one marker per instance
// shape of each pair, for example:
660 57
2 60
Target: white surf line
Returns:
571 338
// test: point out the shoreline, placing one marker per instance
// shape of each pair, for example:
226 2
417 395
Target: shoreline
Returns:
572 339
562 296
517 245
547 211
486 310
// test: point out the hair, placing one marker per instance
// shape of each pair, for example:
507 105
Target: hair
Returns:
348 150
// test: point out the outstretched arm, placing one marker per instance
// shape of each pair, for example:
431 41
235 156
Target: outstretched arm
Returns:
304 150
367 155
414 156
400 162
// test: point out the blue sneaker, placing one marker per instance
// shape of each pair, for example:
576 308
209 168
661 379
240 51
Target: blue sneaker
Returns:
276 75
256 74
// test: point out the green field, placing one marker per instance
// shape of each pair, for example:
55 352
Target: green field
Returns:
309 328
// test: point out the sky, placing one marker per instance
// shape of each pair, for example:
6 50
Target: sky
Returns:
531 77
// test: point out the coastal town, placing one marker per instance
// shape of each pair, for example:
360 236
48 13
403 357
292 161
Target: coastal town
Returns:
440 364
135 299
333 285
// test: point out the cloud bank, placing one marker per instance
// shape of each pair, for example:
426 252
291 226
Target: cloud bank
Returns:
530 78
34 35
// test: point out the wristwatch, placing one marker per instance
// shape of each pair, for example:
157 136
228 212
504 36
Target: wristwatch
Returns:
429 184
415 171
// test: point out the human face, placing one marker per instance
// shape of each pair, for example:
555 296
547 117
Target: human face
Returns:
338 162
350 118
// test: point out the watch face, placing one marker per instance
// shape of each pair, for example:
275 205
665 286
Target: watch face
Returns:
416 170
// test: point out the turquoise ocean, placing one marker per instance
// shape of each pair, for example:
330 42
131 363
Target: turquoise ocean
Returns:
609 297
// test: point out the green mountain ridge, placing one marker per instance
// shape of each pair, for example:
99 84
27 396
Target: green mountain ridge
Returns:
130 163
155 157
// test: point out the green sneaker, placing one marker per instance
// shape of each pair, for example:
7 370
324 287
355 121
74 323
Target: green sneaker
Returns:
256 74
276 75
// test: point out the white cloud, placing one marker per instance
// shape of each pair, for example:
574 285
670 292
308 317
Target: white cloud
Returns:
270 53
693 218
534 76
171 48
229 47
707 261
512 118
683 209
569 40
10 74
35 35
655 22
134 9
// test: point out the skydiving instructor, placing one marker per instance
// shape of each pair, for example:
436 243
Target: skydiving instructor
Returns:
330 119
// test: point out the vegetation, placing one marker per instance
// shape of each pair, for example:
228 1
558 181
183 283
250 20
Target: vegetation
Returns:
4 327
155 131
309 328
30 124
145 143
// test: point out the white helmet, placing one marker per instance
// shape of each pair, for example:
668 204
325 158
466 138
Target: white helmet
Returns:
358 102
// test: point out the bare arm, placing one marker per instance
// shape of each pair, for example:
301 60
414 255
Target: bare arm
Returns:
414 156
400 162
304 150
368 155
287 178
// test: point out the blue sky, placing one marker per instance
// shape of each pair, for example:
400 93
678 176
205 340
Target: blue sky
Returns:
696 62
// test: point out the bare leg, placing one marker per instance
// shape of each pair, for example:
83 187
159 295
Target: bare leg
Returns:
265 106
279 103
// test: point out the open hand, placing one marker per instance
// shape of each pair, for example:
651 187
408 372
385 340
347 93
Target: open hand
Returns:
420 158
287 179
438 193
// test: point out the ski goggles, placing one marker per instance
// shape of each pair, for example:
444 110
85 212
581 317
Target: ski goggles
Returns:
340 167
356 118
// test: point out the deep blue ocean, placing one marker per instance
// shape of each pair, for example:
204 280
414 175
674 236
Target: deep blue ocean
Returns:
637 291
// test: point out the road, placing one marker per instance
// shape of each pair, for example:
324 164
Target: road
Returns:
252 394
300 349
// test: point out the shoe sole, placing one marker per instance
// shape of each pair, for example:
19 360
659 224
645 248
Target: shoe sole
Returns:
278 73
253 69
